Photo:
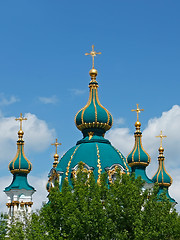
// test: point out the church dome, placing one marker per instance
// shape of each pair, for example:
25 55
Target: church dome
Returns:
138 156
138 159
20 163
93 115
20 166
161 176
96 152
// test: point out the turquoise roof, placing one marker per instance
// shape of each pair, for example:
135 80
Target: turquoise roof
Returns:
161 176
20 166
19 182
164 190
93 115
97 153
141 171
138 159
138 156
20 163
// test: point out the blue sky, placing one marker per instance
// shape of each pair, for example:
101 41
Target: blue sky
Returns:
44 73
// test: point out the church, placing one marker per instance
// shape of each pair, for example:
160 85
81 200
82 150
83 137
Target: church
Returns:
94 150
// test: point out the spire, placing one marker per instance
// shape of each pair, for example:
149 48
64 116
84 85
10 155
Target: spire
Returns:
138 159
137 124
19 192
93 117
20 163
56 156
161 176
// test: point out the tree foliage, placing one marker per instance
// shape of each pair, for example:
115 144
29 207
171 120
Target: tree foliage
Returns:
88 210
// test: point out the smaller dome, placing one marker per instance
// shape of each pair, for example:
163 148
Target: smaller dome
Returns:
161 176
93 115
138 156
20 163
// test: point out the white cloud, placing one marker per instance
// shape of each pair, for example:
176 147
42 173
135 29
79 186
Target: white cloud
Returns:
4 101
40 196
121 139
37 135
118 121
5 181
77 92
169 123
48 100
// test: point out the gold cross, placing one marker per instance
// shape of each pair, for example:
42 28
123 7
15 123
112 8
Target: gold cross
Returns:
137 110
56 144
93 54
161 137
20 119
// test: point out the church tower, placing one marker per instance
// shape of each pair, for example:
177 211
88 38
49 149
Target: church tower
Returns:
138 159
161 177
94 150
19 192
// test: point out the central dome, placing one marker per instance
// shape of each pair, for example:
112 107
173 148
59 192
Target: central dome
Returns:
93 116
96 152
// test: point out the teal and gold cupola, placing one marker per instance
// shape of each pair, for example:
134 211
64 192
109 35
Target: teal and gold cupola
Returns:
138 159
20 163
20 166
161 177
93 117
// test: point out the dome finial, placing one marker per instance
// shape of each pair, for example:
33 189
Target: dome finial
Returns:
56 156
20 132
161 149
137 110
93 72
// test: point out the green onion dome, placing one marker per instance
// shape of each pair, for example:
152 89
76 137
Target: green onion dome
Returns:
20 166
138 156
97 154
161 176
93 150
93 115
20 163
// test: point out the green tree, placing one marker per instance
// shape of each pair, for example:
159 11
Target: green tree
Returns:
88 210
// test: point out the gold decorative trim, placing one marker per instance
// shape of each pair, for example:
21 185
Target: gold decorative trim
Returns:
138 163
99 164
94 124
69 163
138 144
75 172
90 135
113 171
107 112
20 152
124 160
94 103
